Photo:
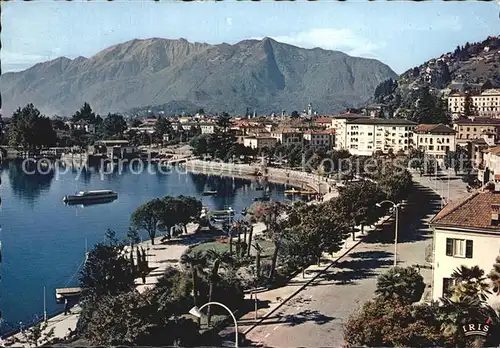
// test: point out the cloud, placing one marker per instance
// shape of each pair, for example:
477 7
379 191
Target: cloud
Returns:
14 61
343 40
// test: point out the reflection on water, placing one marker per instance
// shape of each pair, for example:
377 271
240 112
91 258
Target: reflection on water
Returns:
43 241
28 185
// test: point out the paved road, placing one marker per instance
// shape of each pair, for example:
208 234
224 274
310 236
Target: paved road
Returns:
445 183
316 316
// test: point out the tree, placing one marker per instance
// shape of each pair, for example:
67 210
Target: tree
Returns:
470 282
106 271
86 114
494 276
469 107
132 236
200 144
113 124
195 262
429 109
358 202
216 258
148 217
221 142
380 323
294 114
311 231
30 129
135 319
163 126
189 209
404 285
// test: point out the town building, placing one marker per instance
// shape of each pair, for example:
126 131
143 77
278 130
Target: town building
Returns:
339 123
486 103
260 142
207 128
466 232
364 136
474 127
113 149
319 138
323 122
81 125
489 168
288 136
434 139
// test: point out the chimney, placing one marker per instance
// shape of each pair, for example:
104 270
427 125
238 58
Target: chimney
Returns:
495 210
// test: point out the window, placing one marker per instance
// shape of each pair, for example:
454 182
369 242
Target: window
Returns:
431 147
448 139
447 284
459 247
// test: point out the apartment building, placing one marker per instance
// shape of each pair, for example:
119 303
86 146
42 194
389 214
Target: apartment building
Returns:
260 142
319 138
339 123
365 135
487 103
323 122
207 128
288 136
489 168
472 127
434 139
466 232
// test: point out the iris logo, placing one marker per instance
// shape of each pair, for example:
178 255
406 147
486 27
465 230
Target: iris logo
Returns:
475 329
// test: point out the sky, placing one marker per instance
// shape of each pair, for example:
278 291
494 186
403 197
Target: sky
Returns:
400 34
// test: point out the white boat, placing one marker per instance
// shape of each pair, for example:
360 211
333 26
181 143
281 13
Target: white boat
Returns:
96 195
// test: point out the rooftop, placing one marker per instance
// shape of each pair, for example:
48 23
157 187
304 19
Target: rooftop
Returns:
349 115
433 129
478 121
473 211
394 121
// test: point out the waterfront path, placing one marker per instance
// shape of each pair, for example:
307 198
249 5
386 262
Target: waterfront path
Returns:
311 312
160 256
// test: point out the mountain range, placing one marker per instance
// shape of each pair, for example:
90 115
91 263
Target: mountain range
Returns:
177 75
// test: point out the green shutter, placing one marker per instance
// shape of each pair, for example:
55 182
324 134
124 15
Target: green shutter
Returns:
468 249
449 247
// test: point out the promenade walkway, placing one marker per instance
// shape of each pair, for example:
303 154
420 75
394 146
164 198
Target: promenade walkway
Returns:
269 301
160 256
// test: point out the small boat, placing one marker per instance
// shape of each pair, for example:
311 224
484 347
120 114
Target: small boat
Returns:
87 196
259 188
262 199
244 211
209 193
97 201
291 192
223 212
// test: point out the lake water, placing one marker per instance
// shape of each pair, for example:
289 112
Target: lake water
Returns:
43 240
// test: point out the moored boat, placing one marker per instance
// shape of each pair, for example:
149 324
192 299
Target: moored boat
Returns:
87 196
209 193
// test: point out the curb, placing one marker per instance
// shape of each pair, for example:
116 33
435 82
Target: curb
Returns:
302 287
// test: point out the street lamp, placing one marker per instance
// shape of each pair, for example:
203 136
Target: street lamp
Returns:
396 207
197 313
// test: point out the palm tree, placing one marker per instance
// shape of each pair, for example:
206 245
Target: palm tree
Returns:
258 250
216 258
405 285
494 276
470 282
196 262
